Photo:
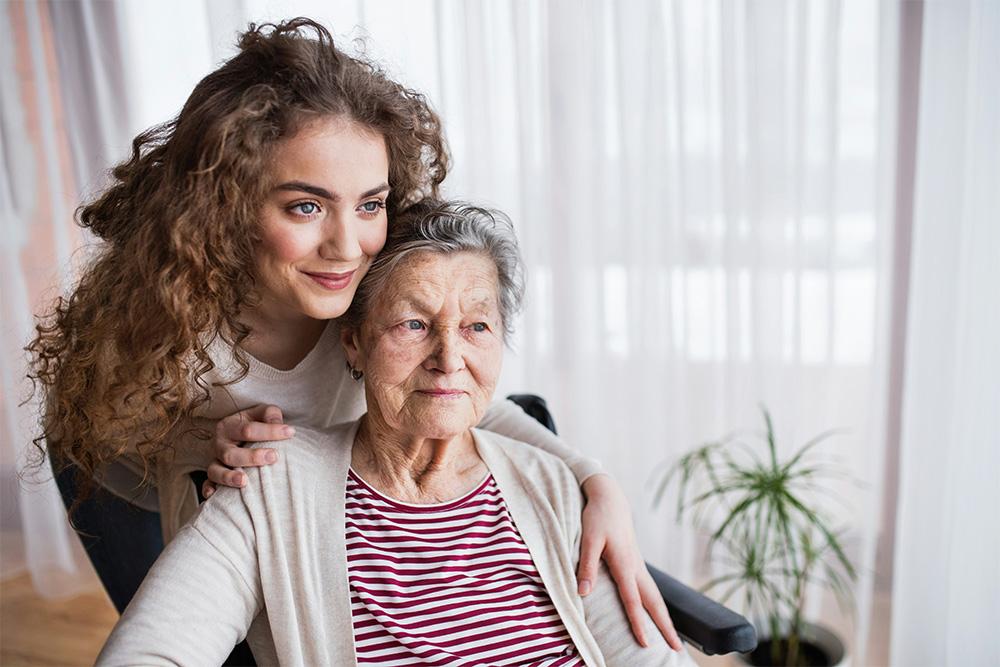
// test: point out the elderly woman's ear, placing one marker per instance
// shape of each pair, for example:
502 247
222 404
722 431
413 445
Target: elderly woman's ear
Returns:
349 340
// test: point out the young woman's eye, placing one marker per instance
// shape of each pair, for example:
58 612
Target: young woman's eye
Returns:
372 207
305 208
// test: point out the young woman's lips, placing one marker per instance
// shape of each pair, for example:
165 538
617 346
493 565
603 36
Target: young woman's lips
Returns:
331 281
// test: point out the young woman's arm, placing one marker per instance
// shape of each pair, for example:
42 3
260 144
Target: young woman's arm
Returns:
222 453
508 419
608 532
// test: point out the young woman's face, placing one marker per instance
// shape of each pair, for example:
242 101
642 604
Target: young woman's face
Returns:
324 219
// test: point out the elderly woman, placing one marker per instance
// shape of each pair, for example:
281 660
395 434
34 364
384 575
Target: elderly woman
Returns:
407 536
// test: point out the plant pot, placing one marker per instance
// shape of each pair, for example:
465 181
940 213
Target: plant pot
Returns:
818 647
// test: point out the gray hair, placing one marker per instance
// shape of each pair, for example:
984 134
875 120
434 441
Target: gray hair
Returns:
446 227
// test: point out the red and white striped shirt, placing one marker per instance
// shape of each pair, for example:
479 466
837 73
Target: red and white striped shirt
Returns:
447 584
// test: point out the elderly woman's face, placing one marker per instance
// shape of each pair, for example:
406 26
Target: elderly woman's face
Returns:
431 346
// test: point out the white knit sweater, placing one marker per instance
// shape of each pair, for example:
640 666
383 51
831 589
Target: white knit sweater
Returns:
269 562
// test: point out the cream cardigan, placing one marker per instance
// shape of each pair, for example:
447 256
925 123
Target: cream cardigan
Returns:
268 562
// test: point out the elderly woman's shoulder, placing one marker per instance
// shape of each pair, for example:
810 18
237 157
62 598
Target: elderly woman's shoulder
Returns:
314 446
310 460
529 461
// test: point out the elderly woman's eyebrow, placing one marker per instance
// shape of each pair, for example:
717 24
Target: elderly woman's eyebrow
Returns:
483 304
406 303
317 191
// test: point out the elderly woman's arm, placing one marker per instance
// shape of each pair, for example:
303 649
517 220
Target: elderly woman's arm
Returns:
198 600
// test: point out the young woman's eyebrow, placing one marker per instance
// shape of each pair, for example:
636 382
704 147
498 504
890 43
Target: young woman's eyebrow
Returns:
317 191
379 189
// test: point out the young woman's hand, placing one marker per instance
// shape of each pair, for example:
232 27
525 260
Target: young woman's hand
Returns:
261 423
608 534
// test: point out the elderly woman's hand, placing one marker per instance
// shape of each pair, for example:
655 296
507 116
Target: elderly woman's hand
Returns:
608 533
261 423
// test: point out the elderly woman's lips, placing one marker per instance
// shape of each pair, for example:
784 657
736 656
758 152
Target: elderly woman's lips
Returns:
331 281
442 393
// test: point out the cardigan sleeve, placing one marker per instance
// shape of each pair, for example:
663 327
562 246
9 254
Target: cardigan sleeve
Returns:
508 419
200 596
608 623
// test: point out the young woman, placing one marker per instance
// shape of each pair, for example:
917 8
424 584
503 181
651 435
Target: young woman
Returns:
231 239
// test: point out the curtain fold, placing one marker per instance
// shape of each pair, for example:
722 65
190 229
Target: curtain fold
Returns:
37 197
947 551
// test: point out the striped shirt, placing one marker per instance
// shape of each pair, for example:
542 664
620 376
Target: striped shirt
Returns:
447 584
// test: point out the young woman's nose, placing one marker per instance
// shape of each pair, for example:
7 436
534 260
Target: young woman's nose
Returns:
340 240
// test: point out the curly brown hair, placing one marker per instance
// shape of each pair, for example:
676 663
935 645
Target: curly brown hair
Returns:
121 360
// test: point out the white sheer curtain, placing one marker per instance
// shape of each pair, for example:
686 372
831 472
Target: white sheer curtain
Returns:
58 132
946 588
703 192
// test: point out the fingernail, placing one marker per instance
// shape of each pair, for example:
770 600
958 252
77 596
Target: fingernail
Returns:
242 480
288 431
209 492
584 587
271 457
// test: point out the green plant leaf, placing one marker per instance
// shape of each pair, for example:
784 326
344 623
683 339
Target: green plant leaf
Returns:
741 507
809 444
772 447
767 532
830 537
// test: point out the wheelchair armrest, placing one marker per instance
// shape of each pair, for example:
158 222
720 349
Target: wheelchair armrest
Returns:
710 627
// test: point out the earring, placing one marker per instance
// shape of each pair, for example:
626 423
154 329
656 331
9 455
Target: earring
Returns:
355 373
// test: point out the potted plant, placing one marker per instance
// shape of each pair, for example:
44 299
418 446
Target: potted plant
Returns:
764 518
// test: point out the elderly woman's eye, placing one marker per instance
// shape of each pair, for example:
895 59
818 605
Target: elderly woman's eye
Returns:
480 327
413 325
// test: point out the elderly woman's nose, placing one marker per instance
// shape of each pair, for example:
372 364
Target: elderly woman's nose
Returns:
447 355
340 240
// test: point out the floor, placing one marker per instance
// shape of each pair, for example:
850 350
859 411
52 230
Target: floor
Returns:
64 633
